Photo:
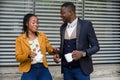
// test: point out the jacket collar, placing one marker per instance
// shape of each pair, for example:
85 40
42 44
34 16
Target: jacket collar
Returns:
26 41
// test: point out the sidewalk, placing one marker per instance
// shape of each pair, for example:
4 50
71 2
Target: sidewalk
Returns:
101 72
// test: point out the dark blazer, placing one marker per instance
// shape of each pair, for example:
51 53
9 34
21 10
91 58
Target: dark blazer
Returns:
85 41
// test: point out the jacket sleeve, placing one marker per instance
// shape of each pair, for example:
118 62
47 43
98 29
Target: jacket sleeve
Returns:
49 47
94 45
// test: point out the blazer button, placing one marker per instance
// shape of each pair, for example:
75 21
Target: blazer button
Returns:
68 45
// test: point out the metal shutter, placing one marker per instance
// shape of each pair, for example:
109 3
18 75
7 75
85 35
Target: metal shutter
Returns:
11 17
105 16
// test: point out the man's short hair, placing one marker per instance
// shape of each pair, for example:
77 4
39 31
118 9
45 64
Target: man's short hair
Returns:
69 5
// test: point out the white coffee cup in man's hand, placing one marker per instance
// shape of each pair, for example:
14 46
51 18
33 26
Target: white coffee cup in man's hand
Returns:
68 57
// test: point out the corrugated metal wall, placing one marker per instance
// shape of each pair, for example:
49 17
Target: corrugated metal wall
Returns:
11 16
104 14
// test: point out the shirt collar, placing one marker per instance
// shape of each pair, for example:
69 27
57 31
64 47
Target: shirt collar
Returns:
73 23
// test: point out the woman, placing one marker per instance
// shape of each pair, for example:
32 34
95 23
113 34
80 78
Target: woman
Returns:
31 48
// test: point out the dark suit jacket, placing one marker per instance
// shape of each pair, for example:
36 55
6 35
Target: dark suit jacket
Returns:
85 41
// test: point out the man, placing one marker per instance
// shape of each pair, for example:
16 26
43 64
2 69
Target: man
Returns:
78 39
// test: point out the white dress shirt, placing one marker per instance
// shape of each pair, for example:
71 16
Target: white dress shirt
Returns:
71 27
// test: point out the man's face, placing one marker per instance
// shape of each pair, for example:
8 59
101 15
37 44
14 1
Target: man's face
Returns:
65 14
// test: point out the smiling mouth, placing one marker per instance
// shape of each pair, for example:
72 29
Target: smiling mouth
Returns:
36 28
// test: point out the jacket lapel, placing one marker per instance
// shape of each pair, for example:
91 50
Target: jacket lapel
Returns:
25 40
39 39
78 32
63 34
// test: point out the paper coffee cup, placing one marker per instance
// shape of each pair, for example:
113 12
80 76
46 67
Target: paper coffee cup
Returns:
68 57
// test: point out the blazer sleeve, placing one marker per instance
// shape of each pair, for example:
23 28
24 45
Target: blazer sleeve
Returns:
49 47
94 45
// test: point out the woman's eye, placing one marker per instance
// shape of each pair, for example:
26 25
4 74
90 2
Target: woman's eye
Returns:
33 23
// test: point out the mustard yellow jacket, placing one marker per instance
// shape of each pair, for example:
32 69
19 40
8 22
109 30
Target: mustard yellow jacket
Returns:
23 48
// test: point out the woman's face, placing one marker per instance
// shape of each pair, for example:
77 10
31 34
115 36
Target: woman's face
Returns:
32 24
